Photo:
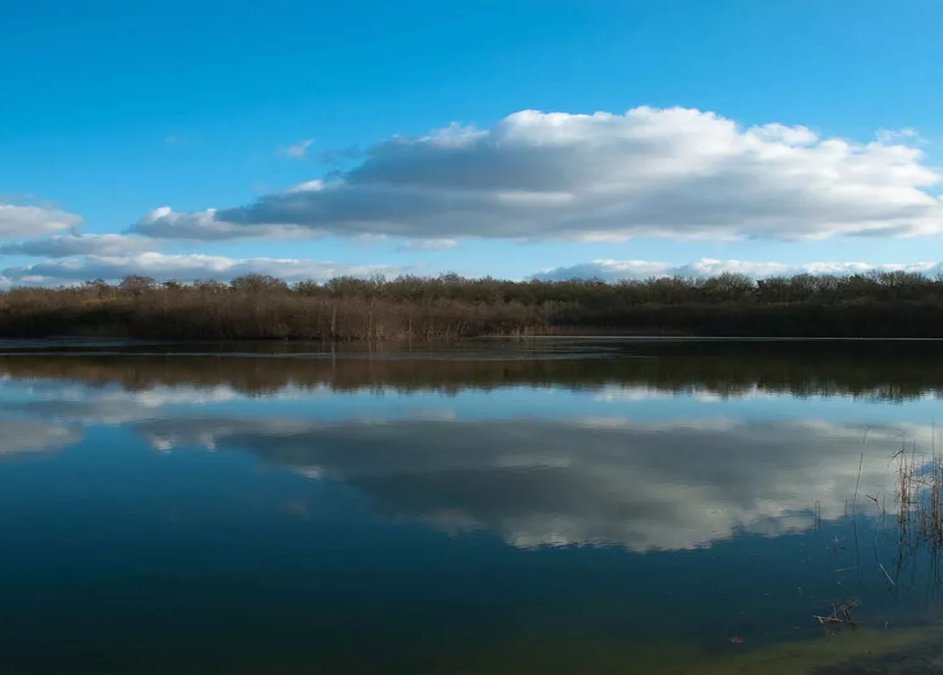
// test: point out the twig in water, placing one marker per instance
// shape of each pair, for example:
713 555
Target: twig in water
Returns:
887 576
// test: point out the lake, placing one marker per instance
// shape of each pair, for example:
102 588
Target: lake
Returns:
495 506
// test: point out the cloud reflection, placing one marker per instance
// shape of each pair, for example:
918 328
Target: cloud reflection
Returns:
27 436
645 487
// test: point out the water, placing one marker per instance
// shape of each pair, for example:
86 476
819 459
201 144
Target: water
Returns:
550 506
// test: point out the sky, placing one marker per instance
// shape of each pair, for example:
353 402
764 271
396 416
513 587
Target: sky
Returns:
553 139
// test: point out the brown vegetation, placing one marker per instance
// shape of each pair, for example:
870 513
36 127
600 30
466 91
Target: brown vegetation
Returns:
878 370
260 307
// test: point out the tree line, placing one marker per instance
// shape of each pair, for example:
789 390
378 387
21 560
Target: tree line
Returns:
888 304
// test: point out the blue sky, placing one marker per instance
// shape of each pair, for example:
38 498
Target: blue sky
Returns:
113 109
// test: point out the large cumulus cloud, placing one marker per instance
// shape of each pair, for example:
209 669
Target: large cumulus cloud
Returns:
666 172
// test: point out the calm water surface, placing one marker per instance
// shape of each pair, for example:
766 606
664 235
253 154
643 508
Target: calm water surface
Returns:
550 506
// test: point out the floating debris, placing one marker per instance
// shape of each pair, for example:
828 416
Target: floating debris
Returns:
841 615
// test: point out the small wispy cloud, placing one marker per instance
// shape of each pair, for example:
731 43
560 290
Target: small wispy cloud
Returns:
897 135
298 150
428 245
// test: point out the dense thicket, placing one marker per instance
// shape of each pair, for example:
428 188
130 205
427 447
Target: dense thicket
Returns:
893 304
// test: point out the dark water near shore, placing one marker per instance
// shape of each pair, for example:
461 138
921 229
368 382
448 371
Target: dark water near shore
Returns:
548 506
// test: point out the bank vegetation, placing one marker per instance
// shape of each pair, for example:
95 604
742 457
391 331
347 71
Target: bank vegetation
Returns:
894 304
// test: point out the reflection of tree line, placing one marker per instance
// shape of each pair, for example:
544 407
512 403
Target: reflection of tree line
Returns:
250 307
887 371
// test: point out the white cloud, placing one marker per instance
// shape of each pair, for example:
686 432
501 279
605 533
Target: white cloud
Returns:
428 245
657 172
187 267
163 222
298 150
31 221
61 246
307 186
608 270
615 270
